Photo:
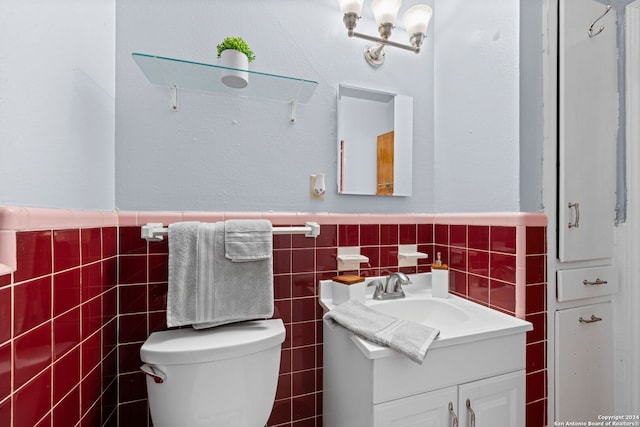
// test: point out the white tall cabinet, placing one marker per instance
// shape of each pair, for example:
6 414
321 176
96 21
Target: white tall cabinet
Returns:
588 127
585 278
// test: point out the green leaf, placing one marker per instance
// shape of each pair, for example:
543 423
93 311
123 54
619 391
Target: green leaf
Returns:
236 43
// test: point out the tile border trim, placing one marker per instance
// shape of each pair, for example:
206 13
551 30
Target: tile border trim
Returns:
133 218
18 218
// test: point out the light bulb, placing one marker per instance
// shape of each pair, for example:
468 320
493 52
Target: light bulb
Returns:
351 6
416 19
385 11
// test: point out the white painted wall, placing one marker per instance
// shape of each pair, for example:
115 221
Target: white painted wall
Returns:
222 153
57 108
531 104
477 85
207 155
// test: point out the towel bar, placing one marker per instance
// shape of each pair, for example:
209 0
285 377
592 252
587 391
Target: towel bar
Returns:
155 231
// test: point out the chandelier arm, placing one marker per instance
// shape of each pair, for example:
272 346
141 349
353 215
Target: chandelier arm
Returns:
385 42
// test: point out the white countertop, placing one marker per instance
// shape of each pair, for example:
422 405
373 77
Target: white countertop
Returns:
459 320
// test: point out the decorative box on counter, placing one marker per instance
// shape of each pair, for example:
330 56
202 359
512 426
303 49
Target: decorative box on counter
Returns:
347 287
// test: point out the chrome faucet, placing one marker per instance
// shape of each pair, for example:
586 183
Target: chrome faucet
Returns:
392 289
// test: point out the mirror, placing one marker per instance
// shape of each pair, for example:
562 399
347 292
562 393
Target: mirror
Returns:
375 142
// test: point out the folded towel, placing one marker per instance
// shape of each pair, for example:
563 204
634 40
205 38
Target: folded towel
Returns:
232 291
183 256
406 337
205 288
248 240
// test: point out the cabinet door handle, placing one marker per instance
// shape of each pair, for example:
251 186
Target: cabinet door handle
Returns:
472 415
452 416
593 319
596 282
576 223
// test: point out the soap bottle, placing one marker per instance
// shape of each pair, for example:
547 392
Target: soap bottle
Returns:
439 278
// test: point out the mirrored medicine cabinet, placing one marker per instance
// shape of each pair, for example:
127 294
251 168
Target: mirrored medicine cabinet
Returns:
375 142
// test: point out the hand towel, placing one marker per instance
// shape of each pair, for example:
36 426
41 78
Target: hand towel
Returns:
212 289
248 240
406 337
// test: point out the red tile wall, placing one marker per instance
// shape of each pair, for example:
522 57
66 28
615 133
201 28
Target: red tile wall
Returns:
483 262
58 331
58 322
536 313
483 266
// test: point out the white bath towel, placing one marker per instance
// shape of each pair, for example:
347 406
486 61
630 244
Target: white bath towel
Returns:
406 337
211 289
183 258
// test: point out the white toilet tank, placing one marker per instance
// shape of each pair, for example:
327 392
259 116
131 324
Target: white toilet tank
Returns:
223 376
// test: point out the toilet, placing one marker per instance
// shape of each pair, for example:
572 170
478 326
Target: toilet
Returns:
223 376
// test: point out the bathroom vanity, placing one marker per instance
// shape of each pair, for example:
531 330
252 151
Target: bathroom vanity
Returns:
474 369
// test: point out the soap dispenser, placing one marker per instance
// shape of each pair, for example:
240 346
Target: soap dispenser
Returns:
439 278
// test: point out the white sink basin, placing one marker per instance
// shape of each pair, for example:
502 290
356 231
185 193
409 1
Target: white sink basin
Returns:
437 313
458 320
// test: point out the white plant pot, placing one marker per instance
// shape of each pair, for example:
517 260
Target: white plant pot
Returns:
234 59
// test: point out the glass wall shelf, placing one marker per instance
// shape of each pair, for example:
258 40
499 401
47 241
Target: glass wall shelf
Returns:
176 74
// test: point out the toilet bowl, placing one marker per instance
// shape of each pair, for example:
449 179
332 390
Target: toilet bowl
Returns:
223 376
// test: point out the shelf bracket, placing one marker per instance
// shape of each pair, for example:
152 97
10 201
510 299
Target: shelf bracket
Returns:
292 117
349 258
173 91
408 255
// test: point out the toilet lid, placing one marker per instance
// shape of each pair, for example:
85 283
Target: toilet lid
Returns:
183 346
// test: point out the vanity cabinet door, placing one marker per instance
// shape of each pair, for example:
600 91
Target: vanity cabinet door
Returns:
423 410
495 402
588 123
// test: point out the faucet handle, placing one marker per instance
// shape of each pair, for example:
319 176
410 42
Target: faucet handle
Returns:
379 288
403 278
397 279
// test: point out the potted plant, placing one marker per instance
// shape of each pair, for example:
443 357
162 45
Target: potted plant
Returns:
235 53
